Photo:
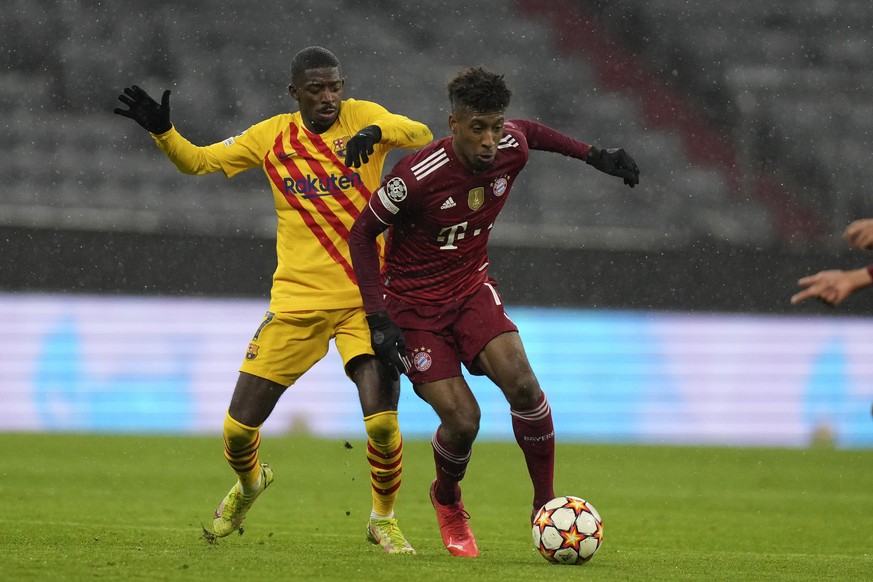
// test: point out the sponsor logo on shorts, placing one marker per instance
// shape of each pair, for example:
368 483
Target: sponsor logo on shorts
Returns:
421 359
252 351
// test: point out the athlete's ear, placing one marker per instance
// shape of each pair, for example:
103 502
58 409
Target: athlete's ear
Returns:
453 124
293 92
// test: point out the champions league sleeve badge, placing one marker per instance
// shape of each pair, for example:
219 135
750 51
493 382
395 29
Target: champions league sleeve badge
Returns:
396 189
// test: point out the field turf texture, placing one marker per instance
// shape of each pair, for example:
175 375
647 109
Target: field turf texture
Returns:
84 507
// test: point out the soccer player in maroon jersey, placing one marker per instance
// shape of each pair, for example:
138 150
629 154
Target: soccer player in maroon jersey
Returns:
322 163
440 204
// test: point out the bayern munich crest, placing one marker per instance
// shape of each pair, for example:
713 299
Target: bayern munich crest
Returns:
396 189
421 359
500 186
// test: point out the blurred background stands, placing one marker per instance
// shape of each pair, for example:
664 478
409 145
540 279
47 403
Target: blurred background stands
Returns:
781 83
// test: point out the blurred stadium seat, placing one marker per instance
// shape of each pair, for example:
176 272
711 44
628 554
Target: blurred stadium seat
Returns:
783 86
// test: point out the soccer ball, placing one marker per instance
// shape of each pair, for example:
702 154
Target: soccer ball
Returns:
567 530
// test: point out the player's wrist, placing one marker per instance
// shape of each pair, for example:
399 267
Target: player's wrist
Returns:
373 131
378 319
162 130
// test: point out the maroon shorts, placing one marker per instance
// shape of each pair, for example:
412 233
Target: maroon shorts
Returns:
440 337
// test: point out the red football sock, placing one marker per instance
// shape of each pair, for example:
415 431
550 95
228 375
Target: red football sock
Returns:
451 466
535 434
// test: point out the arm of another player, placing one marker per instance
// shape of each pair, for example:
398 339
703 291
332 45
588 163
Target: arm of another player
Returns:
833 286
859 234
381 127
615 161
187 157
385 336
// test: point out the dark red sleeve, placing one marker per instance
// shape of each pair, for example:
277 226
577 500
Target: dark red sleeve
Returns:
544 138
365 259
870 270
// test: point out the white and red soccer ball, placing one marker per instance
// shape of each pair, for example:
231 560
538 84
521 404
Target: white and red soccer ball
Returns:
567 530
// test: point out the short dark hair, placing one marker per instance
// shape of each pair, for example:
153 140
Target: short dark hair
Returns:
312 57
479 90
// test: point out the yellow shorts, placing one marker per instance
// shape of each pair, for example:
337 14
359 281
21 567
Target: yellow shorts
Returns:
287 344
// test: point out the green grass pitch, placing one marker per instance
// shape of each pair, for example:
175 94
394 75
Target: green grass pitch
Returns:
83 507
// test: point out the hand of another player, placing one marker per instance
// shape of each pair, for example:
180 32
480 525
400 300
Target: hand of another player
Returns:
833 286
388 343
360 146
615 162
146 111
859 234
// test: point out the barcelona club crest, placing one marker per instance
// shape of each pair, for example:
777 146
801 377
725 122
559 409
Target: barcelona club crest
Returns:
252 351
339 147
476 198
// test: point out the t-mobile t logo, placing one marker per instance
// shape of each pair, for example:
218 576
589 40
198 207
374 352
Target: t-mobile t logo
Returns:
450 234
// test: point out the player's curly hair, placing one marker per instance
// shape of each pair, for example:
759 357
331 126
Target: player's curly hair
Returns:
478 89
312 57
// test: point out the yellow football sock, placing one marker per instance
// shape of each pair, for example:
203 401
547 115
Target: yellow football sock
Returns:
241 445
385 455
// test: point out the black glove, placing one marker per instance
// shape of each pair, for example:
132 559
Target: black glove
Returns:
388 343
615 162
145 111
360 146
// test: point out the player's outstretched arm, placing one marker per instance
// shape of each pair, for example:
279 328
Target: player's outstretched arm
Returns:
615 162
833 286
859 234
151 115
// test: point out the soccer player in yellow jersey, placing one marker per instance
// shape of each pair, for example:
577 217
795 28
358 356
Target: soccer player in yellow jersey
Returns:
322 163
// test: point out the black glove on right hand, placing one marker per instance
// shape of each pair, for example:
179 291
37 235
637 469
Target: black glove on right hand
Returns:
615 162
388 343
145 111
360 146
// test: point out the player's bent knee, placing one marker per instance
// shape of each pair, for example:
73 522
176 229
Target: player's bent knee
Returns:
382 426
523 392
238 435
464 429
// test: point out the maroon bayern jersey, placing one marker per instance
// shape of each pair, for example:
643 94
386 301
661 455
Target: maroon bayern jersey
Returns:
441 214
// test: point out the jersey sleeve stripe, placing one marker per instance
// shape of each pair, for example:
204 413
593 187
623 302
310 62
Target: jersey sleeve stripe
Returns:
376 212
507 142
430 164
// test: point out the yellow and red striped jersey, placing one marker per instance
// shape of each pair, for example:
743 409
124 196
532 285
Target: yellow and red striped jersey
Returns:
317 197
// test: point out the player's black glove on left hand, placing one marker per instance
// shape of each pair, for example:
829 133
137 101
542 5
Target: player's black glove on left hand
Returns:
146 111
615 162
360 146
388 343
